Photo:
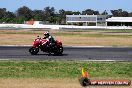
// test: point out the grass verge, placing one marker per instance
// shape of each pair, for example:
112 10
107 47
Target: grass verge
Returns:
59 74
64 69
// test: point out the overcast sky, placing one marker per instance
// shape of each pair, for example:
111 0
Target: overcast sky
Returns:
73 5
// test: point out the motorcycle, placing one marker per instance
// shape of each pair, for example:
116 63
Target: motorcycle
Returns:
44 45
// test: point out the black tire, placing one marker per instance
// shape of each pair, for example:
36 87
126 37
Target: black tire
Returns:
84 82
59 50
34 50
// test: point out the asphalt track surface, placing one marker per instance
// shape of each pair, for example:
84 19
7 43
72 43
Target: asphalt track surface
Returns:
70 53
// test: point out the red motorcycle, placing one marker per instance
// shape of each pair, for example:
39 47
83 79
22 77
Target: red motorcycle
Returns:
44 45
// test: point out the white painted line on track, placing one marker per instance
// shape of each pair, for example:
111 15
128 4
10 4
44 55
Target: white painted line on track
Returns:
4 59
99 46
14 45
71 46
74 60
104 60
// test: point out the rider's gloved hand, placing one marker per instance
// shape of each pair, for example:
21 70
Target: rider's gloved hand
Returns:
49 43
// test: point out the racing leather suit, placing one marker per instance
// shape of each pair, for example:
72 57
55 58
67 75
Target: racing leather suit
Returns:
51 40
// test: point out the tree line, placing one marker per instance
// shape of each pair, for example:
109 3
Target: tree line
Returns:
49 15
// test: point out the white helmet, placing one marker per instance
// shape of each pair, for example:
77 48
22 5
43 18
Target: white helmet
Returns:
46 33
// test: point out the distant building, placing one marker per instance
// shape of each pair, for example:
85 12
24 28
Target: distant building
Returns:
119 21
98 20
34 22
87 20
31 22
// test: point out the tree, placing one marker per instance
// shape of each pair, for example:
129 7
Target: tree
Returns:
130 14
119 13
114 13
38 15
68 13
125 14
48 12
76 13
2 12
96 12
88 12
9 14
20 19
62 16
63 13
104 13
25 12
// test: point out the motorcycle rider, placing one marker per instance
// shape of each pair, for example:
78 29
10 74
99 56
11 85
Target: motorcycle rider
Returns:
50 39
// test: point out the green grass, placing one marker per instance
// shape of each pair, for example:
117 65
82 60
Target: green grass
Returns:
64 69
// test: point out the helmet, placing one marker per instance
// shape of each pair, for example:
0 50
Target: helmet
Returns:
46 33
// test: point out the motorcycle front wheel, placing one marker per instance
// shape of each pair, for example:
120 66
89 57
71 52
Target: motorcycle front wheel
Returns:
33 50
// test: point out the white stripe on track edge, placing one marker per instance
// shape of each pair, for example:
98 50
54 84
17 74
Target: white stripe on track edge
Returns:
105 60
73 46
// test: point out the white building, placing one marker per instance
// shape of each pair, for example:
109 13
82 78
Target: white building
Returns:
98 20
87 20
119 21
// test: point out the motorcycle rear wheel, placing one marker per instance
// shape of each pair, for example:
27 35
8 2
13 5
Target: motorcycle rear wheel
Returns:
59 50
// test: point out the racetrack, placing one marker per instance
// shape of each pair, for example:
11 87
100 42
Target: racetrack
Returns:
70 53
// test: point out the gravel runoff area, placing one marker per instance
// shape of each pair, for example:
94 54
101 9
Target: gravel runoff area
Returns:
47 83
70 37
